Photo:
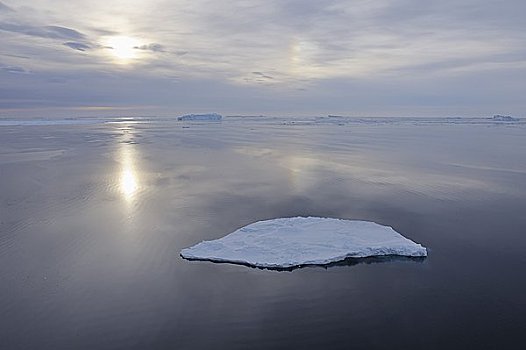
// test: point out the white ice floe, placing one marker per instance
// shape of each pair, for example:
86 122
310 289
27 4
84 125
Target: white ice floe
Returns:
504 118
201 117
290 242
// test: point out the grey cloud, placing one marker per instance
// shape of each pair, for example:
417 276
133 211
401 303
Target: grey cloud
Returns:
5 8
262 75
155 47
259 78
80 42
102 31
15 56
51 32
151 47
77 46
64 33
442 67
14 69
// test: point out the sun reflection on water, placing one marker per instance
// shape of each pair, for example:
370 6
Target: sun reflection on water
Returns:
128 179
128 183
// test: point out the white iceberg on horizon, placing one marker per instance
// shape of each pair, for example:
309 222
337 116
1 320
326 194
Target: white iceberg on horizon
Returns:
297 241
504 118
201 117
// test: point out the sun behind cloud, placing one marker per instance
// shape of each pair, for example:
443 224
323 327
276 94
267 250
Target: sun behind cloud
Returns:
123 49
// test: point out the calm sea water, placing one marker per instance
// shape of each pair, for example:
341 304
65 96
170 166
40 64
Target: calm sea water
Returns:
93 214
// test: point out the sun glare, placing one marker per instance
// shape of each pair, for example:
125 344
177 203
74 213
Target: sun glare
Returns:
128 179
123 48
128 183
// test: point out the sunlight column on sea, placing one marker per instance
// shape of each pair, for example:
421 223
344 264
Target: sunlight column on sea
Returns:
128 176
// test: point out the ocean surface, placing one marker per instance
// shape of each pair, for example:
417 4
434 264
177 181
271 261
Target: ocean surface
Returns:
94 212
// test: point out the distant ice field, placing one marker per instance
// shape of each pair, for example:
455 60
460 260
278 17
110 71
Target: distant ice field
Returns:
339 120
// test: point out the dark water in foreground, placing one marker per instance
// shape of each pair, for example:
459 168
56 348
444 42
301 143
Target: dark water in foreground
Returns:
92 218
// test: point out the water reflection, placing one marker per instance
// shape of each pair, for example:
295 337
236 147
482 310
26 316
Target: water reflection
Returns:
128 178
305 171
128 183
346 262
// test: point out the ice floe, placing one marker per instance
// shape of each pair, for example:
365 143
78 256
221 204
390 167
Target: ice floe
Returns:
201 117
504 118
297 241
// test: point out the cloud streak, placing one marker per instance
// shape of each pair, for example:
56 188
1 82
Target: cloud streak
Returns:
77 46
14 69
5 8
50 32
151 47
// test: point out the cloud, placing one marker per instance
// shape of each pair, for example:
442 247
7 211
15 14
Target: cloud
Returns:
14 69
51 32
257 77
15 56
151 47
79 40
300 54
262 75
155 47
63 32
77 46
5 8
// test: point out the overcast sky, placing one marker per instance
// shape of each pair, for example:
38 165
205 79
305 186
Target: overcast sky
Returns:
307 57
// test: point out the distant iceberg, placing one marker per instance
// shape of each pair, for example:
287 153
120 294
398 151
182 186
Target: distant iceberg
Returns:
297 241
201 117
504 118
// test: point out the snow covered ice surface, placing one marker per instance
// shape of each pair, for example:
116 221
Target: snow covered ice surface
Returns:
297 241
201 117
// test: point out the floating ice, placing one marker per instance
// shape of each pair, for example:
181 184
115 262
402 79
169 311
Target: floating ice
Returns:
291 242
201 117
504 118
